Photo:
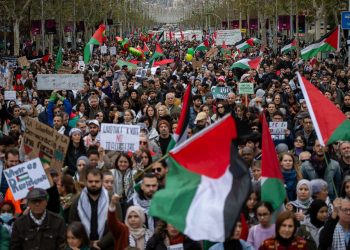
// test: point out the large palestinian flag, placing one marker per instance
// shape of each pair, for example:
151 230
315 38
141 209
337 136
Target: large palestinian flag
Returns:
207 184
272 183
289 46
96 39
246 44
247 64
329 42
329 122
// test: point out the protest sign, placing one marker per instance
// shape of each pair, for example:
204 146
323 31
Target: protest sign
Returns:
278 130
139 72
45 142
10 95
212 52
104 49
26 176
230 37
197 64
246 88
220 92
23 62
60 81
64 70
113 51
81 66
120 137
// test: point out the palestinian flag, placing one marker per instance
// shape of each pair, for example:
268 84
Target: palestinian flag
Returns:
203 46
329 122
180 134
97 39
247 64
207 184
157 54
329 42
160 37
290 46
145 50
246 44
59 59
272 183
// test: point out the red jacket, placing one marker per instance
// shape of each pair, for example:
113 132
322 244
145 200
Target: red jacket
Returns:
119 230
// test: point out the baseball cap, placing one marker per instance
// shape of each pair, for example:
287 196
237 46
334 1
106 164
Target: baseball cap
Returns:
94 122
37 194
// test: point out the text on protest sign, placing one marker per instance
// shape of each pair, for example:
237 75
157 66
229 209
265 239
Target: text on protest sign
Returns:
10 95
220 92
230 37
278 130
60 81
45 142
246 88
119 137
26 176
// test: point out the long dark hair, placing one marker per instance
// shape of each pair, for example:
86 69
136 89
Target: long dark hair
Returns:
123 155
78 231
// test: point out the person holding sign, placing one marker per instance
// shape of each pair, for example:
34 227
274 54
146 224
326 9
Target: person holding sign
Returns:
40 228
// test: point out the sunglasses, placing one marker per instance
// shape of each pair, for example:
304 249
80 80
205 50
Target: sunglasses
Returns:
220 107
157 170
304 160
143 143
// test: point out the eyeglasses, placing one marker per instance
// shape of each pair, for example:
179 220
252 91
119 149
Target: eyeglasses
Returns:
143 143
157 170
345 210
220 107
92 93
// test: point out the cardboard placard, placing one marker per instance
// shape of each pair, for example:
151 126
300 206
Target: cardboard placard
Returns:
23 62
9 95
246 88
45 142
197 64
60 81
26 176
104 49
64 70
120 137
213 52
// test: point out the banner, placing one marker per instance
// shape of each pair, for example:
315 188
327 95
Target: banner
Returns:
220 92
229 36
60 81
119 137
246 88
26 176
45 142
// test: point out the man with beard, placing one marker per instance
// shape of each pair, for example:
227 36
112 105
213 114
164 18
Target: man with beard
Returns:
195 109
93 137
91 208
344 161
200 122
318 167
143 196
15 129
164 135
11 160
160 169
23 114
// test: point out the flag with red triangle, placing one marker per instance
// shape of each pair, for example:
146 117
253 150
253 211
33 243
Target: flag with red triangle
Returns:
330 124
145 49
272 183
97 39
247 63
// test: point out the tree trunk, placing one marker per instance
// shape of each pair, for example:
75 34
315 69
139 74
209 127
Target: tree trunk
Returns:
16 42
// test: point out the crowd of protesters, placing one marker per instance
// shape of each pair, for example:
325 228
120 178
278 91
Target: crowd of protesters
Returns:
101 199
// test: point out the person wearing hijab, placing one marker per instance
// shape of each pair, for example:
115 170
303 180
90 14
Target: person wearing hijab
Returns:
311 229
301 205
81 164
138 234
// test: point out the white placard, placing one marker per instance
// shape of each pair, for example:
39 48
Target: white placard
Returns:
229 36
60 81
10 95
278 130
81 66
113 51
26 176
120 137
139 72
104 49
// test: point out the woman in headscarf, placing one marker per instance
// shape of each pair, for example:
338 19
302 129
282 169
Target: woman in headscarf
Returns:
310 231
301 205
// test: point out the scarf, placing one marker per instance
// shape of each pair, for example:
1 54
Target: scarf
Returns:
299 204
137 234
290 180
40 221
315 206
123 184
66 201
338 238
84 210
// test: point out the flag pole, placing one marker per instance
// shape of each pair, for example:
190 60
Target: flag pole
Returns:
140 174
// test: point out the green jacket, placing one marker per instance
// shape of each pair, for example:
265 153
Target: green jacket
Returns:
4 238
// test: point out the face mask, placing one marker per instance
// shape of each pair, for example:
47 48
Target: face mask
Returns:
6 217
268 100
238 102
